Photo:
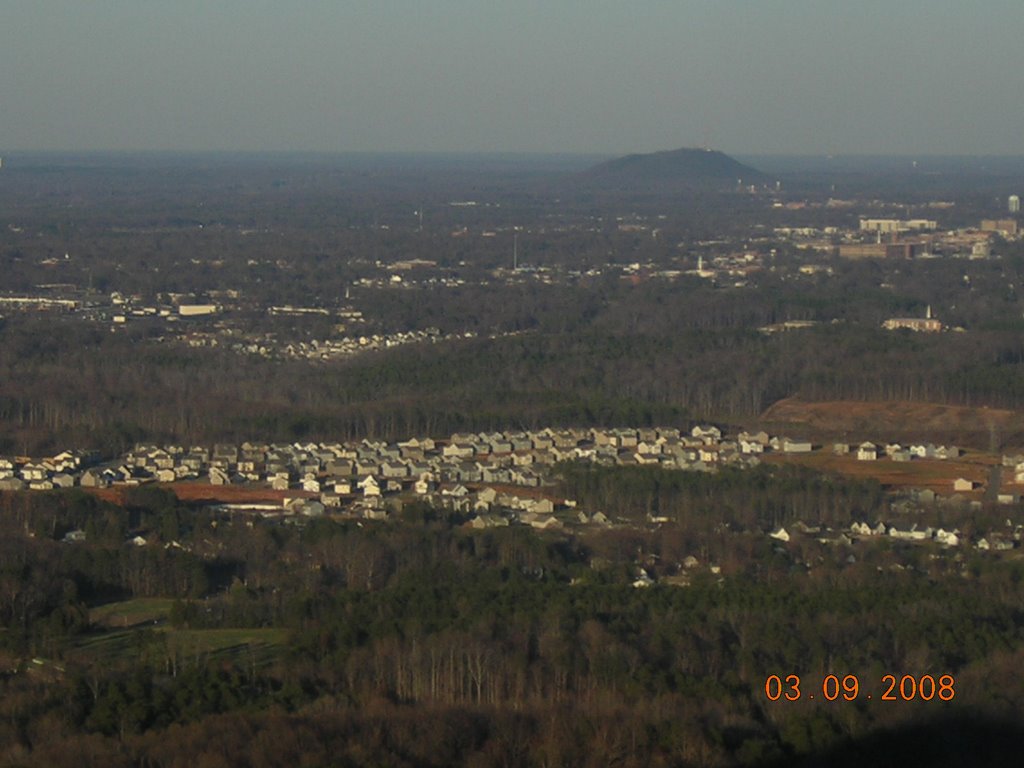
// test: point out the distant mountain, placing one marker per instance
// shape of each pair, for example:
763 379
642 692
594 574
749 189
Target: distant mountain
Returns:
696 167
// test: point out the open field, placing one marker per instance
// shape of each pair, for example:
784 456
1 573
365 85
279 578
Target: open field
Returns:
932 474
134 628
211 494
896 421
108 648
233 494
131 613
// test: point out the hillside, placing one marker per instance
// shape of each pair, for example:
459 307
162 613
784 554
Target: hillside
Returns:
677 166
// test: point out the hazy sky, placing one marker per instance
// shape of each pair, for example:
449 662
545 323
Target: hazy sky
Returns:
608 76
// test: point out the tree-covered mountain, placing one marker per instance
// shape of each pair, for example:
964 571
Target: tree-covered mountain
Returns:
679 166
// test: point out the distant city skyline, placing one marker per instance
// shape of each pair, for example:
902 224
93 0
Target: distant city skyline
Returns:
594 76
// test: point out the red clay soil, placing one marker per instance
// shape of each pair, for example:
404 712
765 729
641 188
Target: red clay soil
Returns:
213 494
898 421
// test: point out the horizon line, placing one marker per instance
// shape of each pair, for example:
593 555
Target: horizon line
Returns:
492 153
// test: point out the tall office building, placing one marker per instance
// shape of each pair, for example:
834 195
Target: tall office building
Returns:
1014 204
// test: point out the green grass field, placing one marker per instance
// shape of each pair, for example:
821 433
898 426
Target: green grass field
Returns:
136 629
131 613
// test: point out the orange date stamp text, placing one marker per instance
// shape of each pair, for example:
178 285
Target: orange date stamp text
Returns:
849 688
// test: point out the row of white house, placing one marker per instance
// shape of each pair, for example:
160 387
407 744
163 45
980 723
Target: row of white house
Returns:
868 451
904 532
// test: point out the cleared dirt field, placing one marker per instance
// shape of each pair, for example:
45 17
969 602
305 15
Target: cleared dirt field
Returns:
897 421
920 473
212 494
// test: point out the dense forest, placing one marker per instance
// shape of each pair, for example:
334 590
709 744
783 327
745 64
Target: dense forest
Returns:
419 642
615 354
